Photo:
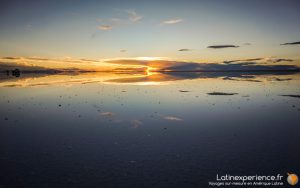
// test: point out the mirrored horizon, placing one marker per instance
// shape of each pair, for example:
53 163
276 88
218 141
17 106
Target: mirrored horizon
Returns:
141 78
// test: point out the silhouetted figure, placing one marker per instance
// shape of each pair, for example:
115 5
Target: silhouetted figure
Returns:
7 72
16 72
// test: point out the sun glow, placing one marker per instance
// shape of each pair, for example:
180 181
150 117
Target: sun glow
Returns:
135 58
151 71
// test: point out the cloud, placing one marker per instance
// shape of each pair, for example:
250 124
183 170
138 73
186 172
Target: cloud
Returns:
223 46
110 23
108 114
38 58
184 50
105 27
177 66
58 64
291 43
141 65
130 69
133 16
128 62
13 58
254 59
175 21
88 60
221 93
123 50
172 118
4 66
261 60
136 123
296 96
115 20
282 60
240 60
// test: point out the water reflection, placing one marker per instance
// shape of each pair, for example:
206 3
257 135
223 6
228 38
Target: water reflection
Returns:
138 78
99 126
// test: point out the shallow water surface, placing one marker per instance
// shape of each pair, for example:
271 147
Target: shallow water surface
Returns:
153 130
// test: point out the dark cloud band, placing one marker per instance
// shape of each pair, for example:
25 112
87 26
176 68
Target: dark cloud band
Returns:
222 46
184 50
291 43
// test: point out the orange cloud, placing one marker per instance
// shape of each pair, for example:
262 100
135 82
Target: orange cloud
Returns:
174 21
105 27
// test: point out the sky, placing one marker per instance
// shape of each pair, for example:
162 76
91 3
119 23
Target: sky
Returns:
191 30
